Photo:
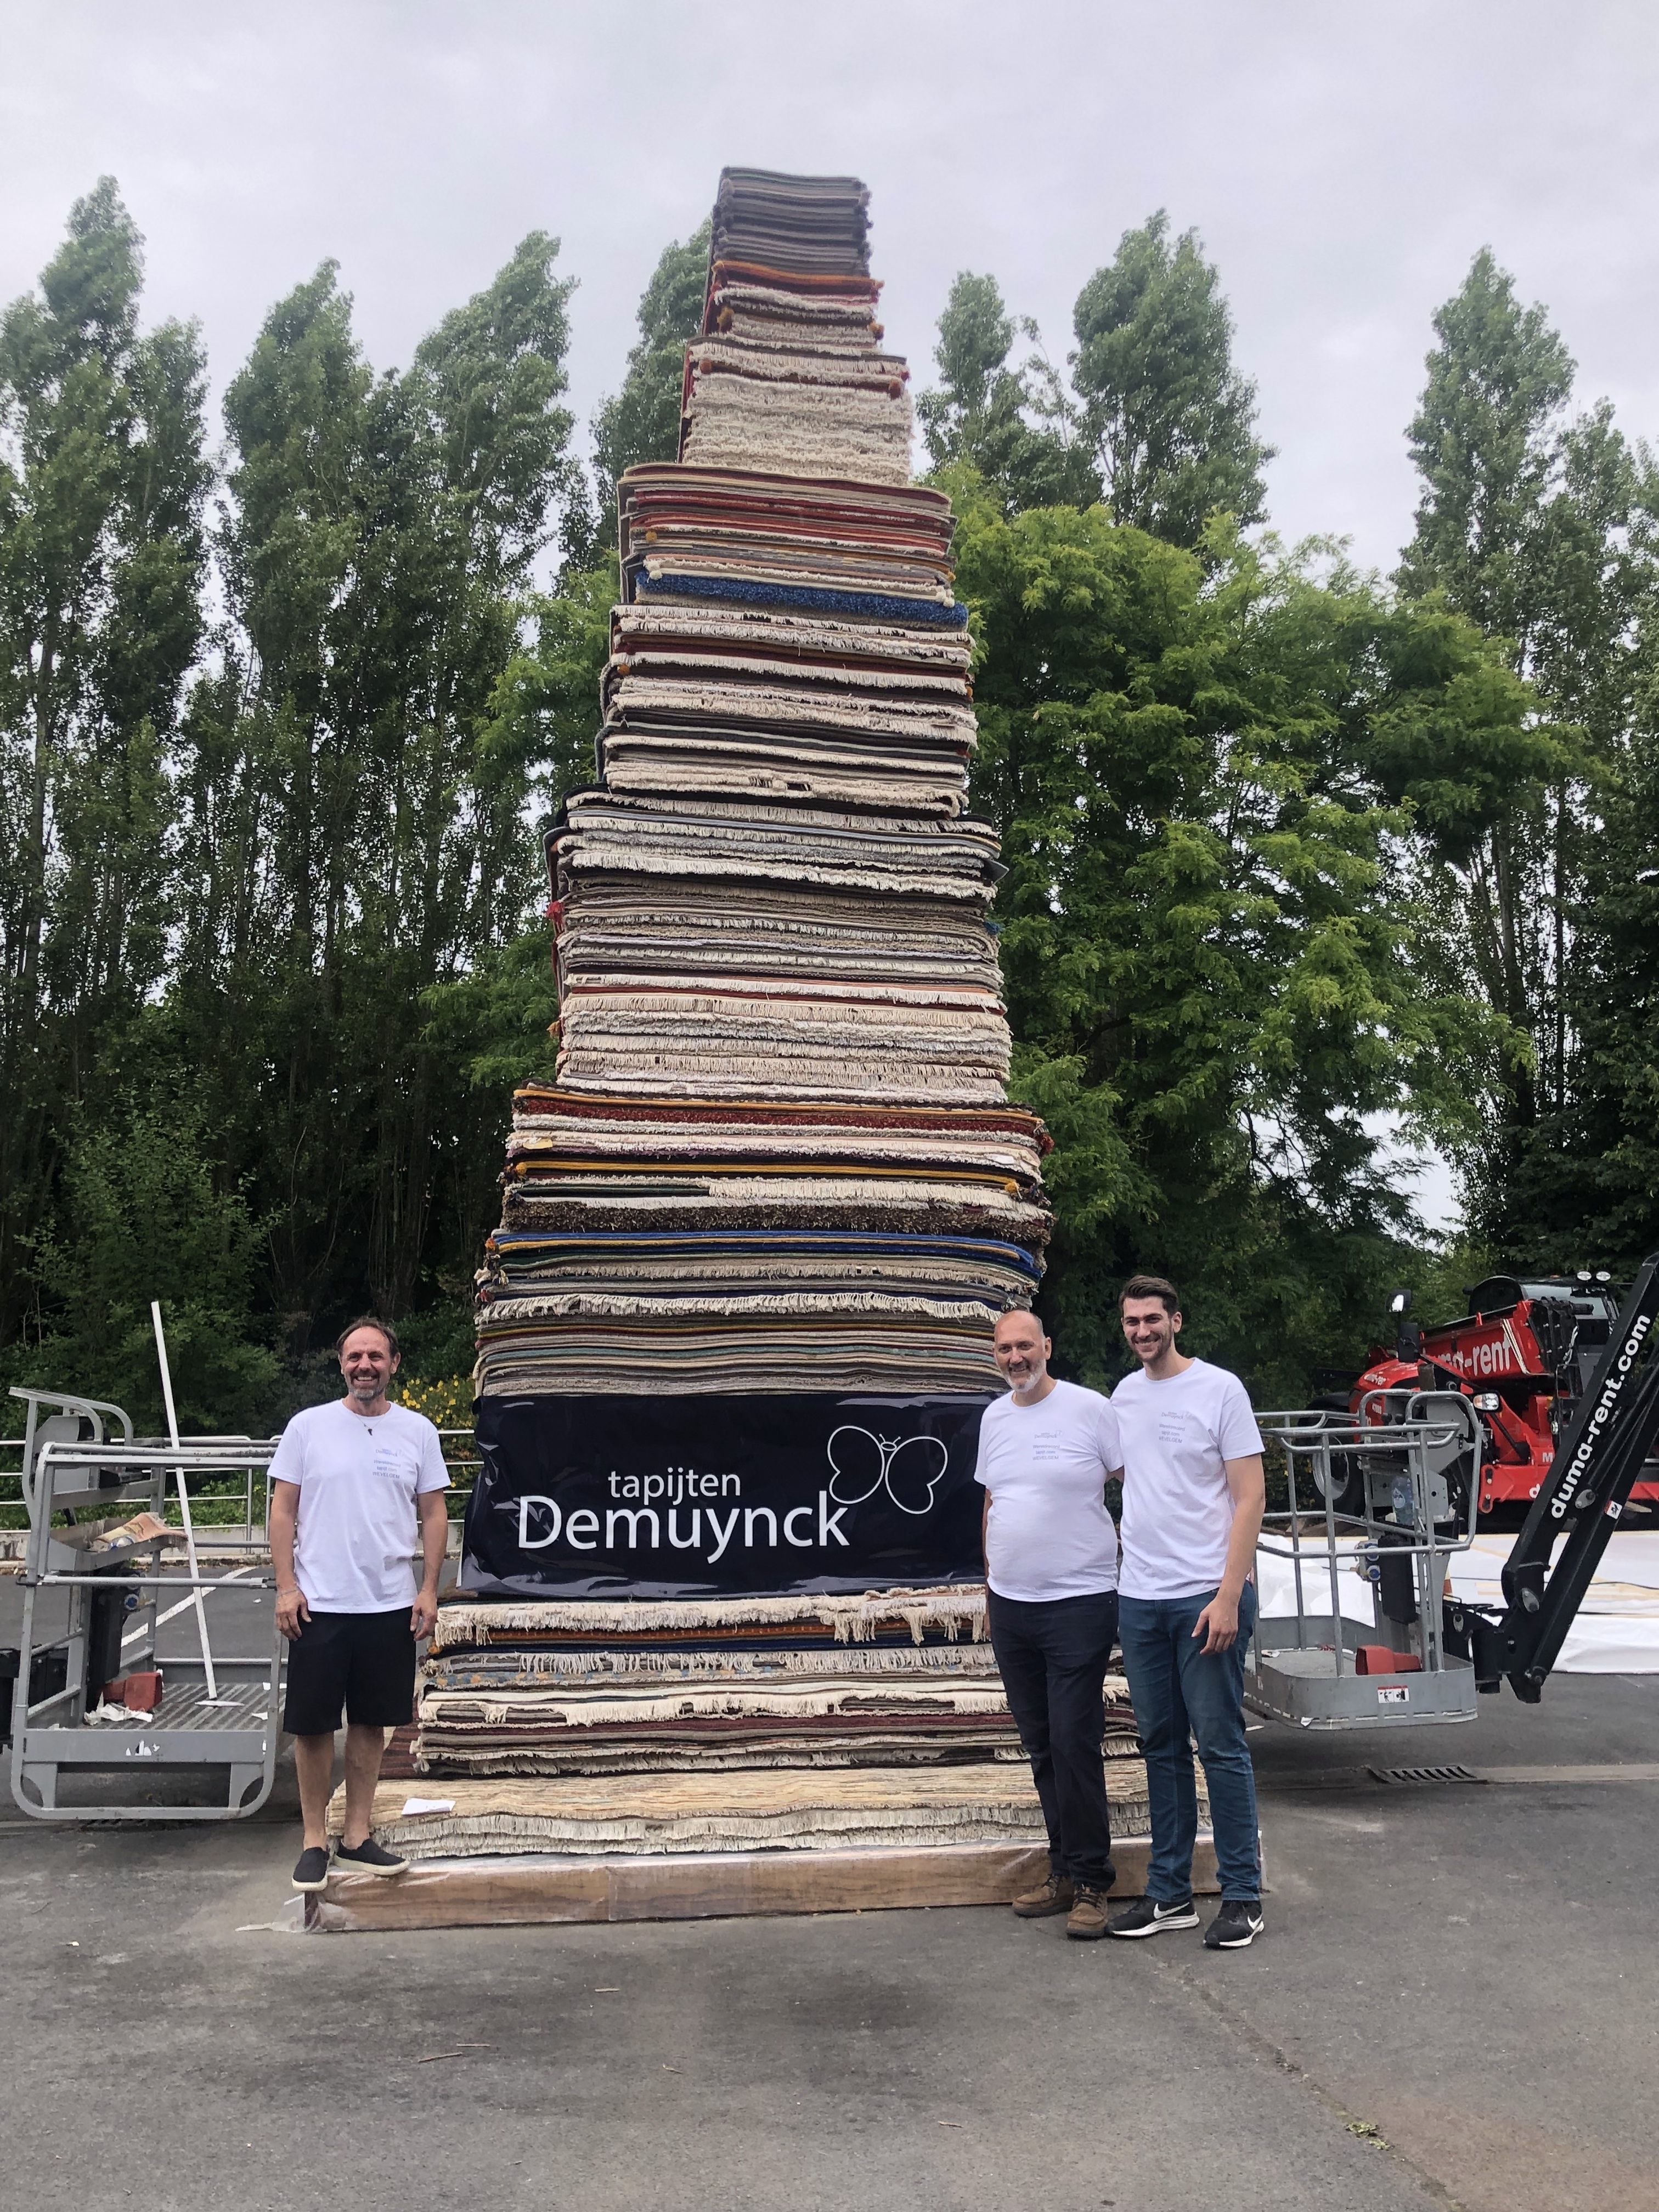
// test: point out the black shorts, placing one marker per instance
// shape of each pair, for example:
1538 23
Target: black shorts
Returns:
363 1660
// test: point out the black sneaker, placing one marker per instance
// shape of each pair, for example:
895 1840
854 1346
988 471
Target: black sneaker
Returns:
1236 1927
311 1868
370 1857
1148 1917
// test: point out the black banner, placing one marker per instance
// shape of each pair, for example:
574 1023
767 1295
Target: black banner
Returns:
692 1496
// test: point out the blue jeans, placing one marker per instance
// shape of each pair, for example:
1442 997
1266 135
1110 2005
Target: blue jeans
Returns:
1179 1694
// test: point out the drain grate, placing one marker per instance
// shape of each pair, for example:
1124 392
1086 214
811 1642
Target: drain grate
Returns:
1392 1774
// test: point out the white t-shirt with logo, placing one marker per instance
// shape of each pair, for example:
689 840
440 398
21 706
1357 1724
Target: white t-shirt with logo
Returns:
1177 1508
1045 1465
359 1476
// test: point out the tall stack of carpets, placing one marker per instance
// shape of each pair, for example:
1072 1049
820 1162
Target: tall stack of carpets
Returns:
720 1569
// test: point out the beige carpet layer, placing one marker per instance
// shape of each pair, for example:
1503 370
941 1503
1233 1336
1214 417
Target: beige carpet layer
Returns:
792 1810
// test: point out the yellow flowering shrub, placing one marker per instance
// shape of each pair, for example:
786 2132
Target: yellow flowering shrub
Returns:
448 1404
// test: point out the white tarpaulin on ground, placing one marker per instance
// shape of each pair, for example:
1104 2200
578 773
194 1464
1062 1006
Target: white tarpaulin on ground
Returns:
1616 1631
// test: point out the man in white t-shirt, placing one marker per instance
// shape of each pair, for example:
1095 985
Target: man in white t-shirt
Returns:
356 1489
1045 1452
1193 1501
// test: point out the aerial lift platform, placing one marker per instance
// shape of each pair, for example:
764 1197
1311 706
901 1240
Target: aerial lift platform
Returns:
97 1498
1407 1463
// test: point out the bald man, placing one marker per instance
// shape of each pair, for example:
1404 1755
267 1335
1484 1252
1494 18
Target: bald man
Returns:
1045 1452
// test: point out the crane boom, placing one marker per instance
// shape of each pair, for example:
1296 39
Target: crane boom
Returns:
1595 1468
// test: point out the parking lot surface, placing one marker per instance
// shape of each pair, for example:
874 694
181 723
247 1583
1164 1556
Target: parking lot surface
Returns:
1456 2003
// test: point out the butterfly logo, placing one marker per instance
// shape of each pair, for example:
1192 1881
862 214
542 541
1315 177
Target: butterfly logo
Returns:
903 1466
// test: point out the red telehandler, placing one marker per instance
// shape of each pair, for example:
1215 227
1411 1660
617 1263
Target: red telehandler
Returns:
1523 1355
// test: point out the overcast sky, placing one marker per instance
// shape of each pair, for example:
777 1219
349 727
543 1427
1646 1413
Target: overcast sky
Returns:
1342 163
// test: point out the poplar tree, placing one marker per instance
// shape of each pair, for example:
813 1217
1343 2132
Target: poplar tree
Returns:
1530 524
1170 421
356 814
1486 440
1016 426
102 483
640 421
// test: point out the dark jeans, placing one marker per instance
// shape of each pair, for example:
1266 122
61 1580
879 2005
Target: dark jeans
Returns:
1053 1659
1179 1694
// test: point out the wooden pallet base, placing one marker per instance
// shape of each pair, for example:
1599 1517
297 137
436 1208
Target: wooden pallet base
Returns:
535 1889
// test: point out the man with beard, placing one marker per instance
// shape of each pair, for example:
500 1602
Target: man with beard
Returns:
357 1488
1045 1452
1193 1501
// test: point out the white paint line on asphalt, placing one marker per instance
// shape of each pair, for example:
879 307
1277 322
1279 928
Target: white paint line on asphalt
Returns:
132 1635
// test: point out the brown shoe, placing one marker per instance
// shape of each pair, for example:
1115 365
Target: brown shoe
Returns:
1086 1921
1054 1896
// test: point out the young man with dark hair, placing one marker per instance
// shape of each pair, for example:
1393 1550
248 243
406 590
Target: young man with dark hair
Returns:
1193 1501
356 1489
1045 1452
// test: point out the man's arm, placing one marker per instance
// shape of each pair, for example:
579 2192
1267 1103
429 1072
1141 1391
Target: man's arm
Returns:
984 1524
291 1606
1219 1622
434 1542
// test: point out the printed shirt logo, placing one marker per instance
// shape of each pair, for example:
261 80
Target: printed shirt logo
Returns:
903 1466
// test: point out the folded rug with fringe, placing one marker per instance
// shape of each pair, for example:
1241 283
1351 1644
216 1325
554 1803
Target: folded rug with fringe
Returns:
794 1810
948 1615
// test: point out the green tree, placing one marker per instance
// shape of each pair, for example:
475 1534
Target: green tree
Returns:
1529 523
1583 1187
1016 426
145 1214
103 482
1485 439
1170 420
640 421
546 707
1210 961
356 832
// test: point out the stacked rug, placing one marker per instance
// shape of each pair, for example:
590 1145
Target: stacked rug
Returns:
789 374
757 1243
722 1578
895 1678
779 1156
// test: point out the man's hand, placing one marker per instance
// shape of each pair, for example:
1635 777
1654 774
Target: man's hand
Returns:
292 1611
423 1614
1218 1624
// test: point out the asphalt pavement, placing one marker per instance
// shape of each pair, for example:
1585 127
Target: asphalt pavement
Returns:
1456 2003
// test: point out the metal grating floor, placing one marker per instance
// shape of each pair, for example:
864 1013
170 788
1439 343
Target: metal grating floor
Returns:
239 1705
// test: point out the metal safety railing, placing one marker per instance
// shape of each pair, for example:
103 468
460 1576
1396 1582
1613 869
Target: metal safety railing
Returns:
95 1572
239 1460
1351 1569
217 1713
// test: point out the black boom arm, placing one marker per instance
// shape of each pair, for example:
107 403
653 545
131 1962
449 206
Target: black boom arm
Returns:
1596 1464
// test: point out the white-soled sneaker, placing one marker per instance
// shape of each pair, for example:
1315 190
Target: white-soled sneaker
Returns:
1236 1926
1147 1916
371 1857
